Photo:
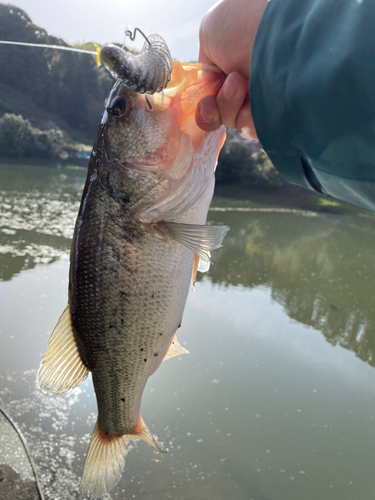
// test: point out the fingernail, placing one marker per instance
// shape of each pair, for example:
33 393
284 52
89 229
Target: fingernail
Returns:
229 89
205 114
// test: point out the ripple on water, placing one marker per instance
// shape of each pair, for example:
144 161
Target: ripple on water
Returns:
40 212
44 422
35 228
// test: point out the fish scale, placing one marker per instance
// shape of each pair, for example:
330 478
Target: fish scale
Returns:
140 234
131 276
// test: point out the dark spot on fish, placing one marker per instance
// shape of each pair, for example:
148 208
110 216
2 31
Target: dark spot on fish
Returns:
179 325
122 321
141 349
156 354
107 437
122 294
110 326
123 400
153 295
160 334
124 199
145 360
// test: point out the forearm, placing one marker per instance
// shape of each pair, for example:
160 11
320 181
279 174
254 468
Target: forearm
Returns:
311 92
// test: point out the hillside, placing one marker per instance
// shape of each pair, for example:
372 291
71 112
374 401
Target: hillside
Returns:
50 88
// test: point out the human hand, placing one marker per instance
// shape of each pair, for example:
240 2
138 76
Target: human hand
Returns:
227 34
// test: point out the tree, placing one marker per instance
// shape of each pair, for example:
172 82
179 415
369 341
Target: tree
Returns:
66 85
18 138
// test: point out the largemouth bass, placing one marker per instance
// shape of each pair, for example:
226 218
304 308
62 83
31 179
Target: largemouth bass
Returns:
138 240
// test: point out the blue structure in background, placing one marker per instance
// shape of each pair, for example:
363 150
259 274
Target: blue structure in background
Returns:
84 154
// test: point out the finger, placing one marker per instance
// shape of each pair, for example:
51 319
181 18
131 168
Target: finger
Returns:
203 55
207 115
231 98
245 124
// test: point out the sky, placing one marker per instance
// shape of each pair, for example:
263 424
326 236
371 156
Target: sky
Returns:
104 21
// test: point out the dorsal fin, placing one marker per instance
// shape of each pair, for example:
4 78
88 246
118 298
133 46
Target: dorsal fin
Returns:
61 367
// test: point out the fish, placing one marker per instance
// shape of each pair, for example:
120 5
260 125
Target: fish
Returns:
139 239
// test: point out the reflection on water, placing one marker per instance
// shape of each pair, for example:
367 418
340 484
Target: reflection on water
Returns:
320 268
37 213
276 400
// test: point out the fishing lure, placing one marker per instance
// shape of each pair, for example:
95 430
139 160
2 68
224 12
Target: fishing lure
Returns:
145 73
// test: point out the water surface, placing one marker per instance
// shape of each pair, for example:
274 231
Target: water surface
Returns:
276 399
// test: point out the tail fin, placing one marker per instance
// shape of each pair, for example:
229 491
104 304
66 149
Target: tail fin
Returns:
105 459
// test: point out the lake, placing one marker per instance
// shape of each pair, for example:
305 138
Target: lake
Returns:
276 400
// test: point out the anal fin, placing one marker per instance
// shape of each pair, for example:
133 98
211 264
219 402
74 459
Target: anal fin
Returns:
61 367
175 349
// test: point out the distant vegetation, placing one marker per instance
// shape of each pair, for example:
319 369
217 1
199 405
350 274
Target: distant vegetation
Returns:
244 162
52 89
50 100
19 139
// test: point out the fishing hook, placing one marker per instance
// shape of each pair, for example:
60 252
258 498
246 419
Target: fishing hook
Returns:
149 104
132 35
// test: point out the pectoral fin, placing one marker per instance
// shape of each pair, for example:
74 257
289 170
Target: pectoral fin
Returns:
61 368
175 349
200 239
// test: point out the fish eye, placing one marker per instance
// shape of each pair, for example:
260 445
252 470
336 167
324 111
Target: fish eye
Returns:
118 106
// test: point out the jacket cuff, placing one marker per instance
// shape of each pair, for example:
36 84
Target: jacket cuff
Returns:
272 60
312 94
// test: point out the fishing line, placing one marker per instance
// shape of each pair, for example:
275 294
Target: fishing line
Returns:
23 441
58 47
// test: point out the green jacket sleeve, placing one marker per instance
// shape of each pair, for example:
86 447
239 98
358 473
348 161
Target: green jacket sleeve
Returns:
312 88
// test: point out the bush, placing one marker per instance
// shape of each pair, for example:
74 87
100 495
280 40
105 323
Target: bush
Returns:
244 162
19 139
64 84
